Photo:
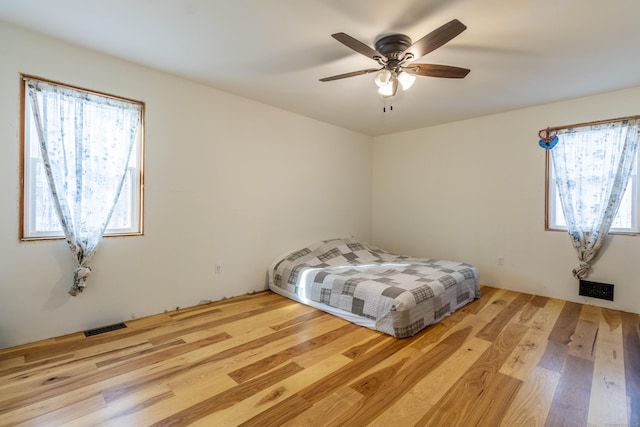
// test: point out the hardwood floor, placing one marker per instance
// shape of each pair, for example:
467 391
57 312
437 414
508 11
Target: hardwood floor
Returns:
507 359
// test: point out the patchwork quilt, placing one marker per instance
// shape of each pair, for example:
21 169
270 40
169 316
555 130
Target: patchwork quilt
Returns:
394 294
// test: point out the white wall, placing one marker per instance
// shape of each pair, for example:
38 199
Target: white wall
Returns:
233 181
474 190
227 180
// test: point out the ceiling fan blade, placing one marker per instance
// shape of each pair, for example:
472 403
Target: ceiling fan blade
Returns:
358 46
435 39
433 70
351 74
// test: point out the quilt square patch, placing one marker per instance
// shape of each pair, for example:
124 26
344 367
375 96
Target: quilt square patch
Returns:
440 312
350 286
448 281
325 295
393 292
298 254
356 247
329 254
422 293
357 306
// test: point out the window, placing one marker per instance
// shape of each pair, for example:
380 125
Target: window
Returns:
591 180
39 216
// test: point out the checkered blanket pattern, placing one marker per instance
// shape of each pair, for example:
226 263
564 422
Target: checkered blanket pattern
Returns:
401 294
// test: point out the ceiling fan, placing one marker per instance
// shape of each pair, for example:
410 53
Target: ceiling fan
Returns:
394 53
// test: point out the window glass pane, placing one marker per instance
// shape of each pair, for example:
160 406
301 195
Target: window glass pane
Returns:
623 219
559 215
122 217
46 218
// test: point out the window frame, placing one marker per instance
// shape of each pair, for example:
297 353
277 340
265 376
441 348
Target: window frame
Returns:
549 191
137 194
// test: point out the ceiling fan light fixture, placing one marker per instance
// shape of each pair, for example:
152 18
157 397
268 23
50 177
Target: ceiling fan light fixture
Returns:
390 88
386 90
383 78
406 79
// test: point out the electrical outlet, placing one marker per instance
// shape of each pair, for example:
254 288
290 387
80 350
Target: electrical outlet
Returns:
500 260
217 269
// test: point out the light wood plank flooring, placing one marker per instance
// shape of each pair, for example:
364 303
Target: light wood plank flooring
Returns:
507 359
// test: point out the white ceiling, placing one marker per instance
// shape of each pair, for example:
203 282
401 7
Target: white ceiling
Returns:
520 52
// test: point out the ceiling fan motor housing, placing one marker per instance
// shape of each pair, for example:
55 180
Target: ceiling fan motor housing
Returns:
393 45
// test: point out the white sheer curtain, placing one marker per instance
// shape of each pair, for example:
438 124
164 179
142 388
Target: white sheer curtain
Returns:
86 141
592 165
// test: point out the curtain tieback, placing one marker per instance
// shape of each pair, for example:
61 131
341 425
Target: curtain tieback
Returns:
80 274
582 271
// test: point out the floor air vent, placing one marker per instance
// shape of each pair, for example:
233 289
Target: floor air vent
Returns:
102 330
596 290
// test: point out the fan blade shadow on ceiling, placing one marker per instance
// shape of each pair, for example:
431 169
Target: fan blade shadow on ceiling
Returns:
418 12
470 48
301 59
398 18
357 11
